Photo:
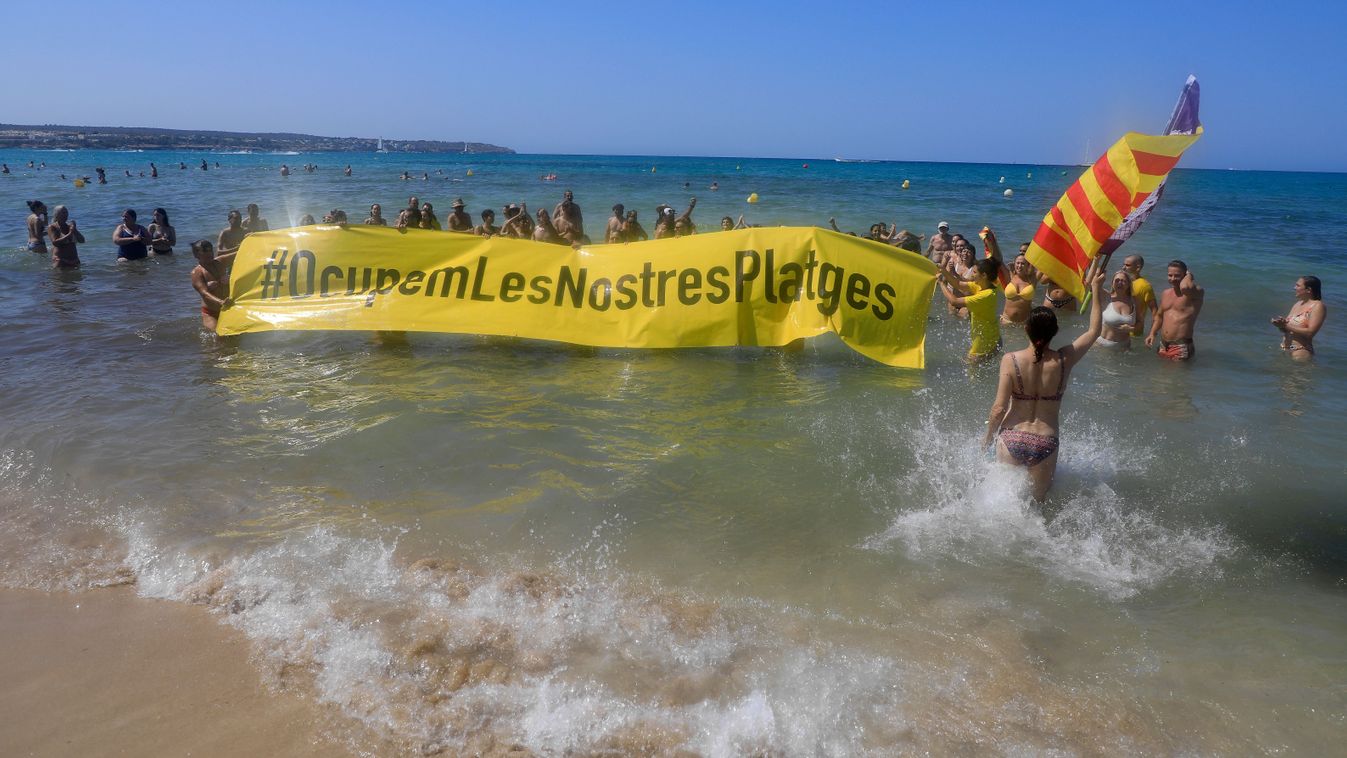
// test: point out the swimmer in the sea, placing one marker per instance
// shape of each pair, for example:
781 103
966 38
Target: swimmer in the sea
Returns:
941 243
632 231
132 239
976 296
64 237
162 234
37 227
1305 319
1120 314
683 225
231 236
255 223
1143 295
1177 317
615 223
210 279
1025 417
1019 292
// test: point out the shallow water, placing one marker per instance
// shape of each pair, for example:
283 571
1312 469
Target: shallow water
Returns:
470 543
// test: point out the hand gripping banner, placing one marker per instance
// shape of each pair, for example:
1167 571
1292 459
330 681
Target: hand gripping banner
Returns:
761 286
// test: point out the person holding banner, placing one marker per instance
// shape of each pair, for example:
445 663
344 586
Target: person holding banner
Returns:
979 299
1142 292
1024 418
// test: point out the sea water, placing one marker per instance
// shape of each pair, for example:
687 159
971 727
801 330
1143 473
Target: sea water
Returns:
466 544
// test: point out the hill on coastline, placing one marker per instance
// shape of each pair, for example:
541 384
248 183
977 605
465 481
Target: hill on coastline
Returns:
51 136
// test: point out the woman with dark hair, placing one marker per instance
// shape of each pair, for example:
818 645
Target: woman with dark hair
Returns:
428 218
1024 416
37 227
1305 319
162 234
131 239
977 298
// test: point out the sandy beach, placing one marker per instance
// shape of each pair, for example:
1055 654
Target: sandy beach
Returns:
108 673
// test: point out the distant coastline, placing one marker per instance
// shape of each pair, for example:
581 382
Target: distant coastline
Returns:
52 136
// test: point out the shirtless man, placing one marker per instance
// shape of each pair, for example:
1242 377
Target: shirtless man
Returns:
254 223
459 220
941 244
632 231
231 236
567 220
488 226
210 279
285 170
1143 295
1179 307
614 232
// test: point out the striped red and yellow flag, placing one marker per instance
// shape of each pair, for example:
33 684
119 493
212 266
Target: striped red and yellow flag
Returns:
1095 206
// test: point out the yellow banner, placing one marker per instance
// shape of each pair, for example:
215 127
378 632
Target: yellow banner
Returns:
746 287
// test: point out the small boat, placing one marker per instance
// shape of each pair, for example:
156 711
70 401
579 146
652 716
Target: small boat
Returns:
381 148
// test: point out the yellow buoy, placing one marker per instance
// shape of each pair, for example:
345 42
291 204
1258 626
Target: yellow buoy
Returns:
753 198
907 184
79 182
469 172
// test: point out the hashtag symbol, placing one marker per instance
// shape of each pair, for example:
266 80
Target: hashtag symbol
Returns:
273 272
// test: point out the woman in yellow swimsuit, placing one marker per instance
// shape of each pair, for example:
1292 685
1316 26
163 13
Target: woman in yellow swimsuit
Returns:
1019 293
1305 319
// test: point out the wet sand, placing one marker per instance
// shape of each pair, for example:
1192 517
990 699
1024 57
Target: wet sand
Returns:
108 673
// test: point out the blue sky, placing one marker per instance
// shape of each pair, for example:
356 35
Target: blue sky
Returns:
996 82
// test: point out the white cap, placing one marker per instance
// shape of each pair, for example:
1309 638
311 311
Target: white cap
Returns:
942 225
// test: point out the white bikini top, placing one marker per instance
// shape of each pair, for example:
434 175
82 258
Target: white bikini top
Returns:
1115 320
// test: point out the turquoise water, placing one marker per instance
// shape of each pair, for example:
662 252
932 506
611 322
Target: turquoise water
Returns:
466 542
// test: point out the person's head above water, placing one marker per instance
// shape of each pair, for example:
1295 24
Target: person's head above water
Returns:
1312 286
984 271
203 250
1041 328
235 218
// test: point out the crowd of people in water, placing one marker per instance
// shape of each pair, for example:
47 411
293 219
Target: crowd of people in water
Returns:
1024 417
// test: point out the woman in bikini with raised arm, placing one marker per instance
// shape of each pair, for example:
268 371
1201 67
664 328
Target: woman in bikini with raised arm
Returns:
1305 319
1024 417
1019 293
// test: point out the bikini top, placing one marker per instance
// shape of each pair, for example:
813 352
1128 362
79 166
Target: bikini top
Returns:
1115 320
1303 316
1019 382
1023 293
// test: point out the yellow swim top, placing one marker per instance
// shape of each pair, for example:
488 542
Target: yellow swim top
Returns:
1023 293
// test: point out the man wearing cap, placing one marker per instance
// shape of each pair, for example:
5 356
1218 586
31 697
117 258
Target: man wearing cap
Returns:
942 243
459 220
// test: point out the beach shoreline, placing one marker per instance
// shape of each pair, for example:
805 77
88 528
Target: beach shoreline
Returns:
107 672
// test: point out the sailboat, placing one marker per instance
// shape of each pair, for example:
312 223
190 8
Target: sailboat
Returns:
1089 156
381 148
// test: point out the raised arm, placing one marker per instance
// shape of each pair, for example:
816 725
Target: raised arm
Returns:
687 214
1001 405
740 223
832 223
1082 344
